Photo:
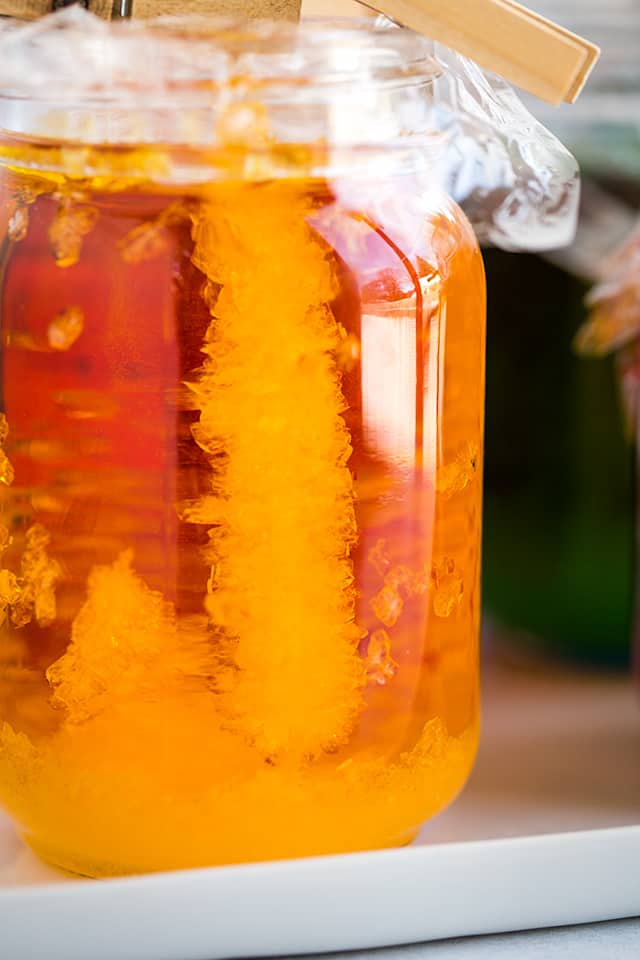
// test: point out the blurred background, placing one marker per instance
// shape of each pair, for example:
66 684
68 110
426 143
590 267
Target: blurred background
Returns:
560 489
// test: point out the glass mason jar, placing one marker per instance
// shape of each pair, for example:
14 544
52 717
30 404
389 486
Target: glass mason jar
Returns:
242 393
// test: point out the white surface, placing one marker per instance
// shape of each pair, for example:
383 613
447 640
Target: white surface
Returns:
617 940
330 903
559 753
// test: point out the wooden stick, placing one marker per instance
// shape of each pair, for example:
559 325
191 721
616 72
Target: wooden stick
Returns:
24 9
253 9
111 9
541 57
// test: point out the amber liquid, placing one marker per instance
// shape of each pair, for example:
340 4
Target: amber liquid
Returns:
242 488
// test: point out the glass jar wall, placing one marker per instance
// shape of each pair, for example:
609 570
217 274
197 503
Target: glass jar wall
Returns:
242 392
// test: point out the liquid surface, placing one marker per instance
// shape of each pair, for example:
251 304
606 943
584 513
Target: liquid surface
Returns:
241 462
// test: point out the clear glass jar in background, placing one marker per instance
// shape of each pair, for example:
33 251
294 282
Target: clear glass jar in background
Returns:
242 375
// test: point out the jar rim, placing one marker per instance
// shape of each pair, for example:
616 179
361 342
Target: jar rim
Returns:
192 59
137 102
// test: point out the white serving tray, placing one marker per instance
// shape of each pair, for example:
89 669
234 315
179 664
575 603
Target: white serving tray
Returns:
547 833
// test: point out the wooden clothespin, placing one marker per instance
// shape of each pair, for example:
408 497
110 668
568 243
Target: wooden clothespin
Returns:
523 47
